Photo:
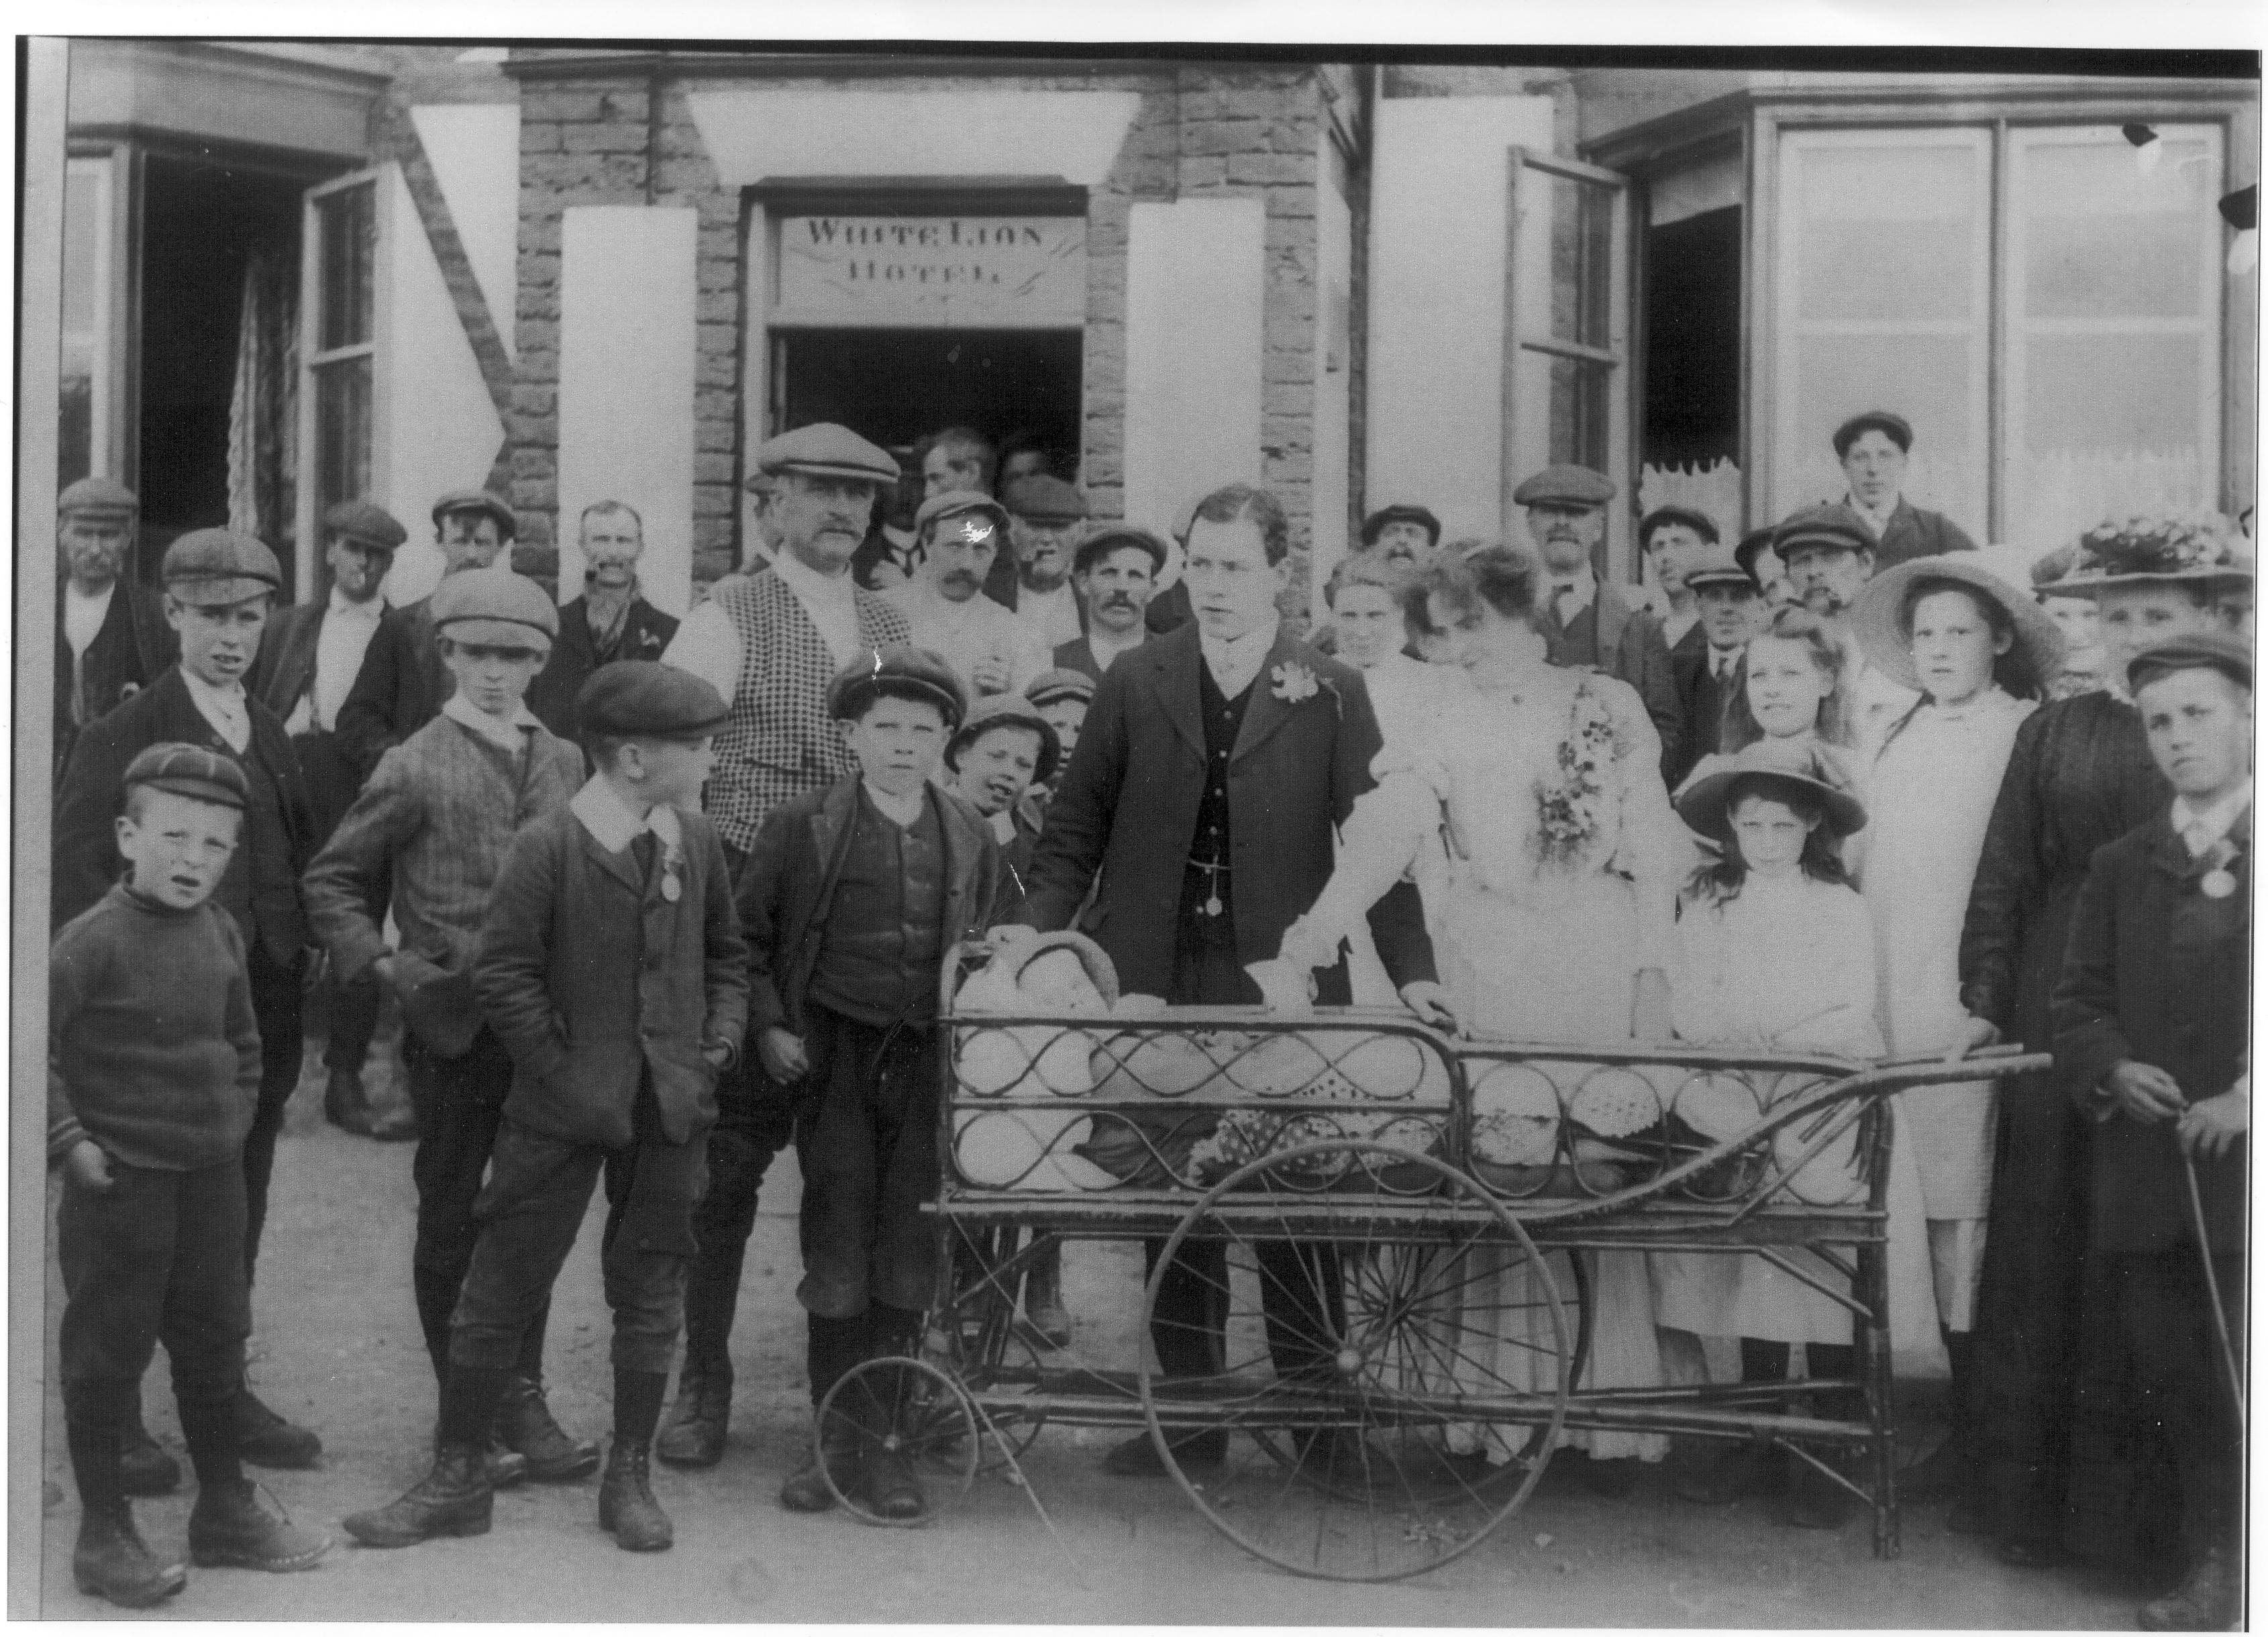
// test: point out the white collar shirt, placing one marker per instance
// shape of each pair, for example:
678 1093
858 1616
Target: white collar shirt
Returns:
830 599
1236 661
1053 616
602 810
83 613
223 707
1877 520
1573 593
340 646
2201 827
507 734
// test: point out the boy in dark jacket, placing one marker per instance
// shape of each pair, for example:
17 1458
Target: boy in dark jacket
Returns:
154 1071
2151 1020
612 969
852 898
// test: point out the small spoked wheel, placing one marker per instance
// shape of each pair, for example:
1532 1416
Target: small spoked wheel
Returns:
906 1436
1386 1381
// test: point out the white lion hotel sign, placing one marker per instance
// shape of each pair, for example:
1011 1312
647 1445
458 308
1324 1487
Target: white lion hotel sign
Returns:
933 270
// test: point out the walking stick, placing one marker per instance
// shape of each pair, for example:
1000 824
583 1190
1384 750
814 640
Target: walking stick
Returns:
2213 1287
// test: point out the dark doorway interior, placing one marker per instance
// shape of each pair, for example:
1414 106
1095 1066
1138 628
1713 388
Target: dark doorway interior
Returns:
1693 340
895 385
201 226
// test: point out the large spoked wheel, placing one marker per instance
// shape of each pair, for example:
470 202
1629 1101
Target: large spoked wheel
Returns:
1378 1401
904 1416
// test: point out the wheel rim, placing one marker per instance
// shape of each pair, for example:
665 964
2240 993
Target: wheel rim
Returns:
914 1411
1394 1358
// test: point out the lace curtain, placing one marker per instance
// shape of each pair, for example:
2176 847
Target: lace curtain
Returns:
263 411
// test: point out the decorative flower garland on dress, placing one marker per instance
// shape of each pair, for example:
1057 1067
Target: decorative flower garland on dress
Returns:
1570 807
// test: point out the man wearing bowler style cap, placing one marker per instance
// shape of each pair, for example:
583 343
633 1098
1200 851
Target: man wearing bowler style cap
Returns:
219 588
992 651
111 635
1115 574
1591 623
309 659
1872 449
770 643
402 681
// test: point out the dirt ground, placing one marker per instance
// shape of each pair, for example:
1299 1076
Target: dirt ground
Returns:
337 1347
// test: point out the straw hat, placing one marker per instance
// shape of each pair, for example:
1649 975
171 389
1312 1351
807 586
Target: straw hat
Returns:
1876 618
2150 551
1786 764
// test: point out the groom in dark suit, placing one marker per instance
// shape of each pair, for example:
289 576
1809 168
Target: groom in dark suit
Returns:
1210 774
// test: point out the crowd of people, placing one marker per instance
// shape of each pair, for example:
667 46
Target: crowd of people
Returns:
658 898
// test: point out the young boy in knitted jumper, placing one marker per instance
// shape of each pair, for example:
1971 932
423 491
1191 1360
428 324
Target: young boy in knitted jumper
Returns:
153 1069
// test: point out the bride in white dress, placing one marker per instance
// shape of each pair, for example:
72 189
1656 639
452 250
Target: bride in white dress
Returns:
1558 925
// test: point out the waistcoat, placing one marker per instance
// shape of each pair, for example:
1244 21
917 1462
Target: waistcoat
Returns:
878 957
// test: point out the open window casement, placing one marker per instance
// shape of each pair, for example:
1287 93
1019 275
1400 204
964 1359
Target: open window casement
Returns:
343 313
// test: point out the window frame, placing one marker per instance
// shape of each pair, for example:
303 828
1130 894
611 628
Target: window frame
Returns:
313 357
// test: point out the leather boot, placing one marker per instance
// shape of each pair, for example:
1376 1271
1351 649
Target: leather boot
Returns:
524 1423
111 1561
886 1480
230 1528
144 1467
263 1438
627 1509
454 1498
2210 1599
806 1489
695 1433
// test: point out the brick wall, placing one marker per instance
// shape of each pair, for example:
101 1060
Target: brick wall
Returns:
1200 132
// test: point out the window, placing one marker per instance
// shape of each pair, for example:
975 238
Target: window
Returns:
84 444
340 330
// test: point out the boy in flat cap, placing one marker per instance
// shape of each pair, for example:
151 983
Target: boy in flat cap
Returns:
309 659
989 649
111 636
1061 697
853 899
615 913
1002 749
154 1071
403 680
435 820
1591 623
2151 1040
1872 448
768 641
1045 515
219 588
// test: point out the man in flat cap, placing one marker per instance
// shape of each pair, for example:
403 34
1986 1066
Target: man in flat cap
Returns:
1872 448
989 648
770 643
1045 516
1591 623
1115 574
1828 556
309 659
611 621
402 680
219 588
111 635
1402 535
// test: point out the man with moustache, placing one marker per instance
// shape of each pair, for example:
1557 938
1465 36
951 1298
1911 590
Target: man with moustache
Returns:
989 648
1591 623
1210 773
402 682
770 643
1045 515
111 635
308 662
1115 573
611 621
1872 449
1402 535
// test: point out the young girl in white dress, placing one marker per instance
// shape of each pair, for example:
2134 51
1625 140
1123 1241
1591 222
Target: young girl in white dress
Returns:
1775 953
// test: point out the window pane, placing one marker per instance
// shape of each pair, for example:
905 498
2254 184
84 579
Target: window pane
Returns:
1889 230
2113 393
342 432
350 230
1579 410
1581 216
1926 378
86 313
2103 237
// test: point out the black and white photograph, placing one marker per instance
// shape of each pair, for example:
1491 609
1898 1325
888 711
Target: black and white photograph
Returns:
1208 830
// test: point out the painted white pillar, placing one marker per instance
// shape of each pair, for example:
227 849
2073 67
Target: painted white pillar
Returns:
627 354
1196 295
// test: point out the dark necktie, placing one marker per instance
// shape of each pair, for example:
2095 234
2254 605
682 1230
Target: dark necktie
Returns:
643 849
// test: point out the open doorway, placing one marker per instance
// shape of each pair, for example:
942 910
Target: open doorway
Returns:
220 247
1692 413
892 387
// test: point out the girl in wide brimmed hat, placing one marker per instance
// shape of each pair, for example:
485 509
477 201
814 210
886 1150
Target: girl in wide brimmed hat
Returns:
1977 649
1774 953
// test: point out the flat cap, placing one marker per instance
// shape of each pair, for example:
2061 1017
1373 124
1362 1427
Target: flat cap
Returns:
898 671
1893 427
1833 528
1685 516
211 568
643 699
1040 498
1717 566
1374 524
96 494
2224 652
1110 537
1753 544
1059 684
951 503
494 611
1007 710
1565 485
190 770
478 500
826 450
366 523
